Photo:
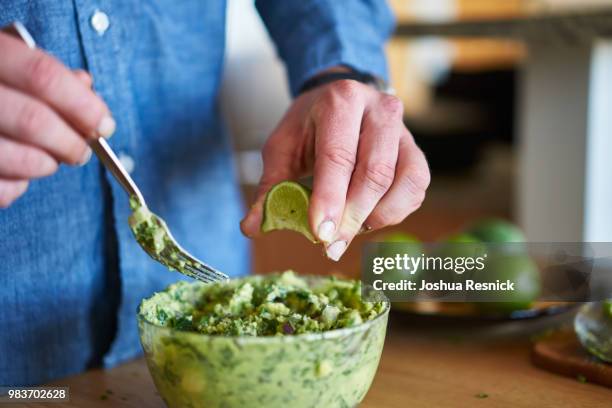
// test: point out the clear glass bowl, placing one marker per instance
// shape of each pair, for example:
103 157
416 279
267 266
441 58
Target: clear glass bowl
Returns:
594 330
329 369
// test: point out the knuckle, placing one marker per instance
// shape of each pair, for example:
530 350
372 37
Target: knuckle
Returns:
346 88
91 110
340 157
32 119
327 102
44 72
338 94
392 105
29 161
417 201
353 220
378 177
392 214
415 193
420 178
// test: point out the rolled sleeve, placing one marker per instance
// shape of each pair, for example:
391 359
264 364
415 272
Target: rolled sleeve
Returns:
313 35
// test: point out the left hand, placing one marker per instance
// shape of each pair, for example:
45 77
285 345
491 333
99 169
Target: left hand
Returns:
368 171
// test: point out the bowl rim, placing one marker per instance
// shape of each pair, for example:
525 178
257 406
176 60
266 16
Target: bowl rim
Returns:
326 335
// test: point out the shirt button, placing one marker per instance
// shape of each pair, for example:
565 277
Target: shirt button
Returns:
127 161
100 22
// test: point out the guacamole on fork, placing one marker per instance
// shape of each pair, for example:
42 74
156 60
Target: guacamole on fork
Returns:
272 305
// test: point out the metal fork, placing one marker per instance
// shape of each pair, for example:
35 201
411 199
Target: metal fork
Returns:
172 255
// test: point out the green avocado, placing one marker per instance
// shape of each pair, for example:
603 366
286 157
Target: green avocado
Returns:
516 268
400 237
497 231
462 245
400 243
463 238
499 235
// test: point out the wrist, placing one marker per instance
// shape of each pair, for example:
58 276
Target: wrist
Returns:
339 73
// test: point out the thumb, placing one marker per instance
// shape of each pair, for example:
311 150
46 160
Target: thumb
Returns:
277 168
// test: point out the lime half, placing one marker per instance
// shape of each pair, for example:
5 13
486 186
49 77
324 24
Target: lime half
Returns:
286 208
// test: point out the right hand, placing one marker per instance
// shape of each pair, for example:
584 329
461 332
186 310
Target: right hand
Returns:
48 113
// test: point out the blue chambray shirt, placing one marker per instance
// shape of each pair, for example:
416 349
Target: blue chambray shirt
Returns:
71 274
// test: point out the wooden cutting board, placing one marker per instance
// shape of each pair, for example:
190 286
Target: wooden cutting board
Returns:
562 353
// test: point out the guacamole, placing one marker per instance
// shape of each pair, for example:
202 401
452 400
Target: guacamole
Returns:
263 341
152 234
147 229
273 305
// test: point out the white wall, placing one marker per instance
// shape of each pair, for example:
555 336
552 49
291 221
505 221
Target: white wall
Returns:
254 93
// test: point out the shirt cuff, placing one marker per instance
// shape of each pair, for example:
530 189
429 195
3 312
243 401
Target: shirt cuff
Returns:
322 34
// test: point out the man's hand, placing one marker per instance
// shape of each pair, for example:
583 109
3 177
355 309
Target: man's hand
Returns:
368 171
47 114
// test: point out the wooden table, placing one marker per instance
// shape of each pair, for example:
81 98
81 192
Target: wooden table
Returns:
424 364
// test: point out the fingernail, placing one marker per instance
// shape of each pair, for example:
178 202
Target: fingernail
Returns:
326 231
86 157
335 250
106 127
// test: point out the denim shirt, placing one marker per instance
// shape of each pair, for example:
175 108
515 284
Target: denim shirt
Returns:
71 274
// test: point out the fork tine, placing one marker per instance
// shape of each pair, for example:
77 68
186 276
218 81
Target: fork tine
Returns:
202 268
176 258
190 270
199 274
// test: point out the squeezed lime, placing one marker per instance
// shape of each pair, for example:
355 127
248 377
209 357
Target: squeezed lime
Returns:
286 208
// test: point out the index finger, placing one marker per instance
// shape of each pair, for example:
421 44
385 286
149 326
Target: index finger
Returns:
44 77
337 127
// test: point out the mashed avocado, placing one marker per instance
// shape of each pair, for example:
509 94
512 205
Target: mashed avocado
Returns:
146 228
151 233
270 305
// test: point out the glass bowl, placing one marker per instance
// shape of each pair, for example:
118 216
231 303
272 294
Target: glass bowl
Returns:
328 369
594 330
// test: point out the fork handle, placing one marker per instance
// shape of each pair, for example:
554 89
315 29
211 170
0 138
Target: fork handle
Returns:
111 162
99 146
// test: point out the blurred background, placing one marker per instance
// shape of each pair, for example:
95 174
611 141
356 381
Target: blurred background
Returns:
512 126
